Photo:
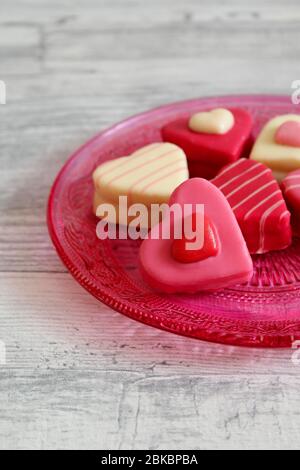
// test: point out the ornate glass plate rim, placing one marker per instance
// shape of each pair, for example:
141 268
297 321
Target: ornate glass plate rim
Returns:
96 267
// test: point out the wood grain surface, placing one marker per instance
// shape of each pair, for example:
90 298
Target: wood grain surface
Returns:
77 374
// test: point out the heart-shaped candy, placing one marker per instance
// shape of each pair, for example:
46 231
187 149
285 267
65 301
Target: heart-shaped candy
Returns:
181 250
148 176
230 265
258 205
276 145
291 192
288 134
208 153
217 121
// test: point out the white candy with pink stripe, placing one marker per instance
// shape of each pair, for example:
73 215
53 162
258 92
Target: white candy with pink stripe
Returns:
148 176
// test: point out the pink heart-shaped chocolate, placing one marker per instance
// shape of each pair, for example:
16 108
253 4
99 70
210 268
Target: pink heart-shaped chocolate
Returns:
227 261
288 134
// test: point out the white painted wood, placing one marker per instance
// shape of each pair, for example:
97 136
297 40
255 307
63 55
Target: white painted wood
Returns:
48 321
121 410
79 375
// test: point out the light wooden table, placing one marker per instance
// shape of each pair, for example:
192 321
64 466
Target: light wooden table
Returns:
79 375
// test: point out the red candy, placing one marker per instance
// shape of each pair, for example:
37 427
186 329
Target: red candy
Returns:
291 192
258 205
210 247
208 153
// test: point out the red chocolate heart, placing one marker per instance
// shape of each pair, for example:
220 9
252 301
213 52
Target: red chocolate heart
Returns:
208 153
288 134
231 264
291 192
258 204
180 250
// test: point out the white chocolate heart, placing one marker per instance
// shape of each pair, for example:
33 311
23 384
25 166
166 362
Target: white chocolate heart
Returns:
281 159
218 121
148 176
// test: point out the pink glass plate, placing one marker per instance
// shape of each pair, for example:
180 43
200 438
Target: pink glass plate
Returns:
266 312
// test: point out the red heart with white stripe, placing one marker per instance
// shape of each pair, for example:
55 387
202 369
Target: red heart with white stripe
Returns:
258 205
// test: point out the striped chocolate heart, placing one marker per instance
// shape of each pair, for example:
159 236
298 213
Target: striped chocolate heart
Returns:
258 205
291 192
148 176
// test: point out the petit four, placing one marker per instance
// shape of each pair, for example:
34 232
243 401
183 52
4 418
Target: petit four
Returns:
223 259
148 176
291 191
258 204
278 145
211 139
